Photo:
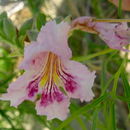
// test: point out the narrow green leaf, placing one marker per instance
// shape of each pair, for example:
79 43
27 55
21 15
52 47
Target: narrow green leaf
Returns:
40 20
117 75
95 117
82 110
32 35
73 108
3 15
34 5
126 86
109 114
124 99
84 58
103 75
3 37
82 124
9 30
112 119
120 8
27 25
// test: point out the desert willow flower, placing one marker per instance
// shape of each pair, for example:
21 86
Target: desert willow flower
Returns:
50 78
115 35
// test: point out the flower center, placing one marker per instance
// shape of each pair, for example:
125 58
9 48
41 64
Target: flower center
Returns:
53 82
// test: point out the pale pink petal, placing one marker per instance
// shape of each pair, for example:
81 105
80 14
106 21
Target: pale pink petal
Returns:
54 110
84 23
115 35
15 97
84 79
17 91
84 20
53 38
34 57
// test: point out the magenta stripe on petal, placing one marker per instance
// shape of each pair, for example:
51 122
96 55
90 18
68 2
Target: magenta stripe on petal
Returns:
33 88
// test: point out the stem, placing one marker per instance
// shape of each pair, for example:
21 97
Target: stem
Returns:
84 58
82 110
111 20
116 78
120 8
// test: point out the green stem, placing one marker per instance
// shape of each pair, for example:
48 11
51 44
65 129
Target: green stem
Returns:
117 75
84 58
80 121
105 68
94 103
95 118
120 8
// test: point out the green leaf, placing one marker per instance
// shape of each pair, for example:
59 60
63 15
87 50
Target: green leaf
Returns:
82 110
3 15
34 5
40 20
73 108
58 19
103 75
120 8
116 78
112 119
124 99
9 30
126 86
84 58
32 34
5 35
25 27
68 18
95 115
1 26
109 114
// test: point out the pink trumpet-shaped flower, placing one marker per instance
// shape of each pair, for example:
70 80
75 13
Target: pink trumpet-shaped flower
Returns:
116 36
50 78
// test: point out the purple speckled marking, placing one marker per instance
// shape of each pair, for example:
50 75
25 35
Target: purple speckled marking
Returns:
58 96
46 99
51 96
120 37
70 85
32 88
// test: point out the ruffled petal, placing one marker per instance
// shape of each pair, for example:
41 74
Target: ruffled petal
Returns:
115 35
52 38
16 97
54 110
84 23
34 57
84 78
17 91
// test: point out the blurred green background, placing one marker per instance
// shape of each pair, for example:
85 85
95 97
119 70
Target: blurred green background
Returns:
21 23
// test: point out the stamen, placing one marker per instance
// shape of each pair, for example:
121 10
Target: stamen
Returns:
53 76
